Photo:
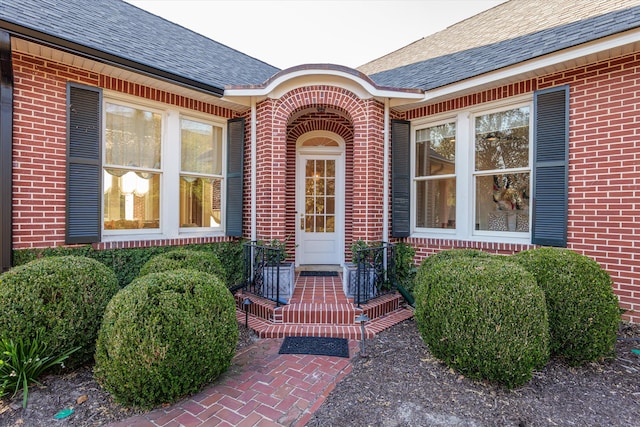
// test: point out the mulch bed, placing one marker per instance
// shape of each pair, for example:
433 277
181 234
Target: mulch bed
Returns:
400 384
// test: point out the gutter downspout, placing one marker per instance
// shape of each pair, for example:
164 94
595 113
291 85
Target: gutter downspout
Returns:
385 185
6 157
254 156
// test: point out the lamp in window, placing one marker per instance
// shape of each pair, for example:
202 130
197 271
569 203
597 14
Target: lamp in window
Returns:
106 181
133 184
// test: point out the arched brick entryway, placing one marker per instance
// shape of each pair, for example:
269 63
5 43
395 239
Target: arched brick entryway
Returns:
358 121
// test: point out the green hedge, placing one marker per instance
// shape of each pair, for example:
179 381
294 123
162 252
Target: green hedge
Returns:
483 316
584 315
60 298
184 259
164 336
126 263
405 267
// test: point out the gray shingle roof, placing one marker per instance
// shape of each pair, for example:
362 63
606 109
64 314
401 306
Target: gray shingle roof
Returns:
455 67
125 32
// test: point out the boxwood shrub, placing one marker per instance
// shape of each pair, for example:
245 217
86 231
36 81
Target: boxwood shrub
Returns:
63 298
165 335
583 311
484 317
448 254
206 262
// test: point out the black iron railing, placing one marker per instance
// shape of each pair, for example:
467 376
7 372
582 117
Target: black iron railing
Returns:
263 268
375 272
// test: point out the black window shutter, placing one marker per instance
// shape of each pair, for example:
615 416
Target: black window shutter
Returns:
550 167
235 162
400 178
84 164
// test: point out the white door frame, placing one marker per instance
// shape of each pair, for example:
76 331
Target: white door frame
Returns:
336 153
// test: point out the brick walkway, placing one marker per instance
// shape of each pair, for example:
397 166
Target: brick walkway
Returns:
261 388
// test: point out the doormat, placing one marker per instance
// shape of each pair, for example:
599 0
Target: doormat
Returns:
320 346
319 273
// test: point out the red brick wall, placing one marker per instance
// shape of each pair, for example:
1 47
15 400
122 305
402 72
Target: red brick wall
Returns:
39 146
604 168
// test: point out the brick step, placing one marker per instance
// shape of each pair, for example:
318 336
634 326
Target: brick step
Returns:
267 329
317 313
331 314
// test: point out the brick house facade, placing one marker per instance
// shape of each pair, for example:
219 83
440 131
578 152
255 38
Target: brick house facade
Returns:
319 145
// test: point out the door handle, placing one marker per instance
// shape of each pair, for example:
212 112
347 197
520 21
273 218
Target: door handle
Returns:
301 221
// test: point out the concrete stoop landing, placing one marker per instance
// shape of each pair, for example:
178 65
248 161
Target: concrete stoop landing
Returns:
318 307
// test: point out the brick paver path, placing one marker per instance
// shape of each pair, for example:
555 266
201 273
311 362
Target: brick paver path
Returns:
261 388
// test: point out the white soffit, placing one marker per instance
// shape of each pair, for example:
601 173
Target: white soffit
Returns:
297 78
77 61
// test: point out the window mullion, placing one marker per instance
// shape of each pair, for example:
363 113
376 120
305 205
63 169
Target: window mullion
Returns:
171 175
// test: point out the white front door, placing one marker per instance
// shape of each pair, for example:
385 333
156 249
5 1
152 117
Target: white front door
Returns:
320 208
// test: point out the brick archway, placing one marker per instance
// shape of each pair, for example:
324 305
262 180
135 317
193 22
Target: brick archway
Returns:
358 121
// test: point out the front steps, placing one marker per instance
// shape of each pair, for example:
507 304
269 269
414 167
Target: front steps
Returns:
321 319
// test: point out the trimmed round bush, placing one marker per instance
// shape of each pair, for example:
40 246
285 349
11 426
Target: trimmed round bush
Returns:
206 262
62 297
448 254
583 310
484 317
164 336
453 254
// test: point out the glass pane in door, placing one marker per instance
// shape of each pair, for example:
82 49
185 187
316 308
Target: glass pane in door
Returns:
320 177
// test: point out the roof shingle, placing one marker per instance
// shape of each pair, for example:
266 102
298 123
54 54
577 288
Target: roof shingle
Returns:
511 19
454 67
122 30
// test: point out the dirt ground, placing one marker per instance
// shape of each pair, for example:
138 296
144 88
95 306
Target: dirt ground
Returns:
400 384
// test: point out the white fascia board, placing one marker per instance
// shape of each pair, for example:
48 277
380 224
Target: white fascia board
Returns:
550 60
305 75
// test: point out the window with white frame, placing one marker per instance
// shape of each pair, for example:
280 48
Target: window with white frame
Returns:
151 160
502 170
484 188
435 176
131 168
200 174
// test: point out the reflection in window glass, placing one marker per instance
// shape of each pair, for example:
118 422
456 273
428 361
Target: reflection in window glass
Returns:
200 174
502 177
201 148
502 140
436 207
200 202
435 181
436 150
